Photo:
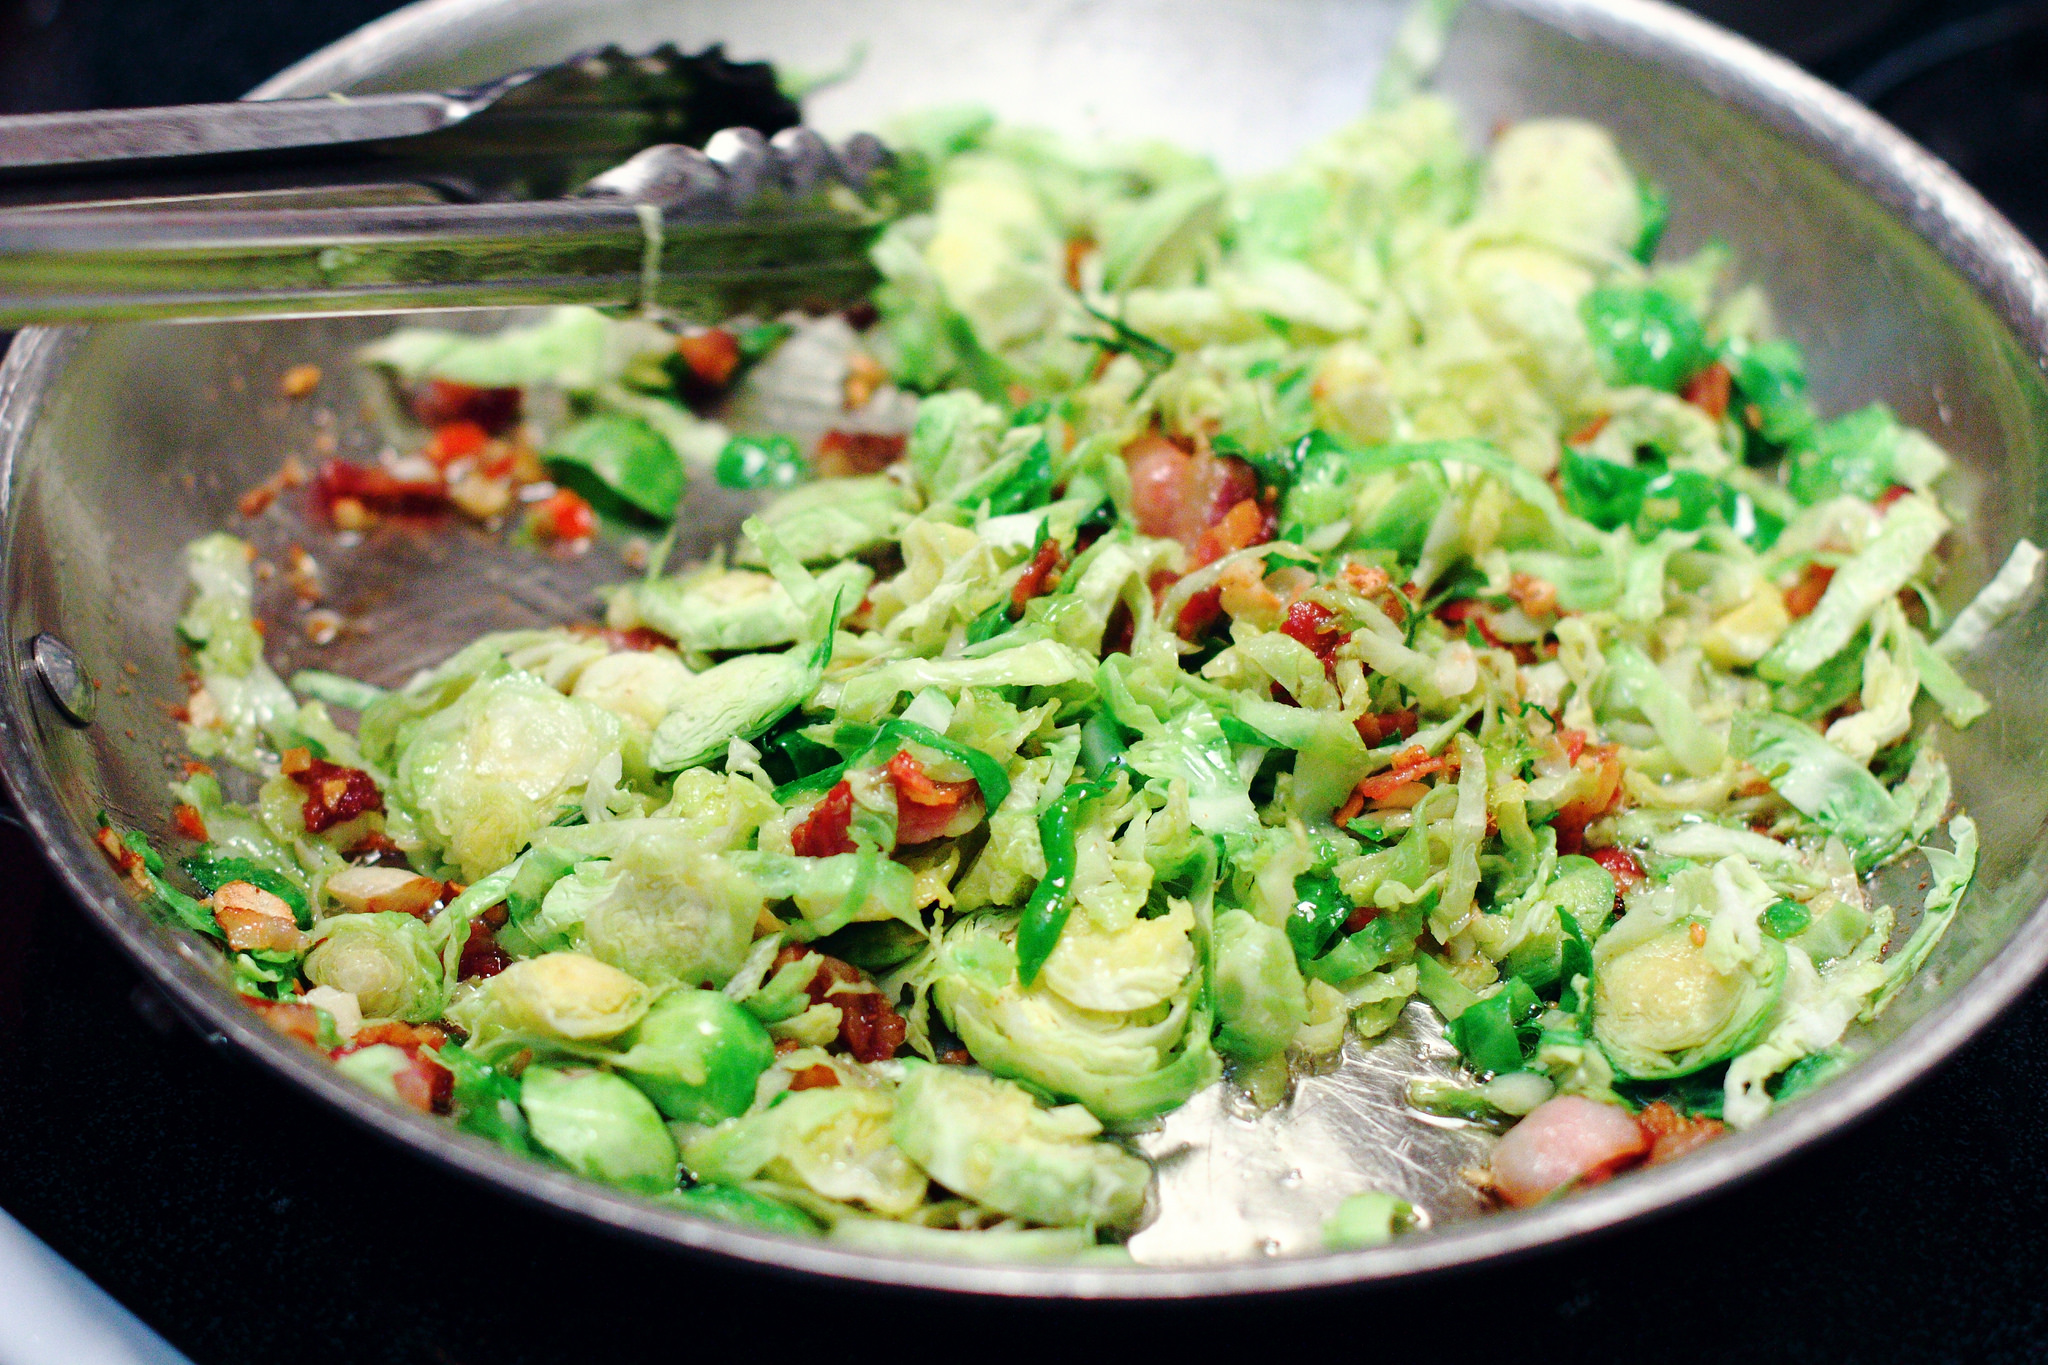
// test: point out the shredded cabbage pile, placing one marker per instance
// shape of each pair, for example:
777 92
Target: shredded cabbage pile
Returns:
1382 580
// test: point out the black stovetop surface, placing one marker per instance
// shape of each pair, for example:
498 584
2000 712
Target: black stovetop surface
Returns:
245 1223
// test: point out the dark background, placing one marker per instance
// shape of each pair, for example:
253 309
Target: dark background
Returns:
246 1224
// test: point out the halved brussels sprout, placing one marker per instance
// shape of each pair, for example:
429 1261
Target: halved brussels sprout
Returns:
714 610
833 518
386 960
488 772
697 1055
658 906
1663 1008
833 1141
989 1140
720 810
737 699
833 892
1261 1002
1584 890
599 1126
562 997
1133 966
1125 1067
639 686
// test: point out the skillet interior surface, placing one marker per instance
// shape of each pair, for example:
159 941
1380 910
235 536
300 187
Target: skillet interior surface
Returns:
122 443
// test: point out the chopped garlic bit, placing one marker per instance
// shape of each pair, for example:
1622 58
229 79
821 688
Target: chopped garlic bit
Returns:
374 890
341 1007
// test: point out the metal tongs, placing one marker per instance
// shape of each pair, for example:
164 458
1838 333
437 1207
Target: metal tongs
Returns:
666 179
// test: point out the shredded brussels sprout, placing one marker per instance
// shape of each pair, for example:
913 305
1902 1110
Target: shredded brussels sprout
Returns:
1227 613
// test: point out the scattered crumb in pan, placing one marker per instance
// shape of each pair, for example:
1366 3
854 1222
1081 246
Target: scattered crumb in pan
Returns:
323 626
299 381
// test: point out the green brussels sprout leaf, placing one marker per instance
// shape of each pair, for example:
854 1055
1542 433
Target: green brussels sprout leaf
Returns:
753 462
620 463
740 698
1644 336
486 1100
697 1055
598 1125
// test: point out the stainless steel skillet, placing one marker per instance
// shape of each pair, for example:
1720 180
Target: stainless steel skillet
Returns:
121 443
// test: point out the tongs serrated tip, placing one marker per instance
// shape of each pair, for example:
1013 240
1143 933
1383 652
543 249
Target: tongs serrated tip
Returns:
737 168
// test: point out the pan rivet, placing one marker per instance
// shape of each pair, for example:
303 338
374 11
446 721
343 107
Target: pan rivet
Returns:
65 679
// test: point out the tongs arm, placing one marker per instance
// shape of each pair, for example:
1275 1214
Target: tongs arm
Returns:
125 141
745 223
532 134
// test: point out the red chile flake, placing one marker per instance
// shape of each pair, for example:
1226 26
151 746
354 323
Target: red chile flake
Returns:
845 453
481 955
454 441
823 832
639 639
1310 625
190 823
334 794
818 1077
1040 578
1709 390
1360 917
712 355
377 489
439 402
869 1026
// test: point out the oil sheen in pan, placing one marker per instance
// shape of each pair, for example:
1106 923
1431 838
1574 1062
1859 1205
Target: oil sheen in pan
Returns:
1234 1182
